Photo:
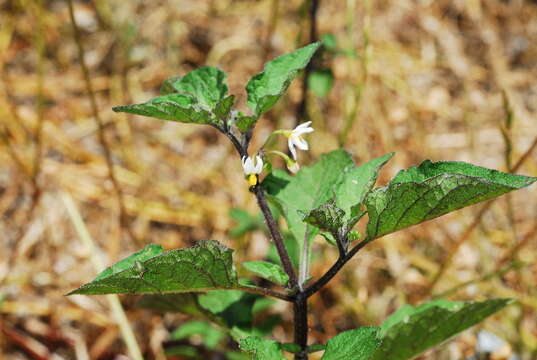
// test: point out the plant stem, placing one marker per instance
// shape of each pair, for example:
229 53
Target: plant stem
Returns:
265 292
316 286
276 236
300 307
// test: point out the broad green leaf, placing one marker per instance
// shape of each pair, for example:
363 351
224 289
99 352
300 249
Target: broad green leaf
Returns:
433 189
292 247
261 349
320 82
211 335
206 266
265 88
309 188
174 107
358 344
269 271
147 253
356 183
326 217
412 330
194 98
205 84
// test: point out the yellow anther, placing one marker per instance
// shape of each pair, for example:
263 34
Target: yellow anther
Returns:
252 179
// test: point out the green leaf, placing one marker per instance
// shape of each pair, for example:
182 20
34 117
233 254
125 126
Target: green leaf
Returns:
269 271
265 88
245 123
147 253
261 349
320 82
358 344
205 84
412 330
292 247
173 107
223 107
190 99
186 303
357 183
211 335
433 189
206 266
309 188
326 217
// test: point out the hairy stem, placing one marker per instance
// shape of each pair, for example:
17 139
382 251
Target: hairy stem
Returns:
276 236
300 307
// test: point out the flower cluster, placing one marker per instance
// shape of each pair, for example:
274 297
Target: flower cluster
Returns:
253 166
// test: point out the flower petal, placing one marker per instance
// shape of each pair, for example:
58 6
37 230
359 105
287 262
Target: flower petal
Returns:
301 143
258 165
291 145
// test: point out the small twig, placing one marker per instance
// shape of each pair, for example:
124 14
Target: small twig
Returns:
113 299
100 124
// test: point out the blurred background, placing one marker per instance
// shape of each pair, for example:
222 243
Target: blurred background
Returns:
81 186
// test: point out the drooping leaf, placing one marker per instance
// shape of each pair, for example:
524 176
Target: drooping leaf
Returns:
433 189
173 107
206 266
147 253
269 271
412 330
358 344
309 188
194 98
205 84
326 217
265 88
320 82
210 334
261 349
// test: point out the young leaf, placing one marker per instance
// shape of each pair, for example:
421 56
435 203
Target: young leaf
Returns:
261 349
206 266
223 107
434 189
190 99
412 330
269 271
205 84
147 253
265 88
358 344
308 189
357 183
326 217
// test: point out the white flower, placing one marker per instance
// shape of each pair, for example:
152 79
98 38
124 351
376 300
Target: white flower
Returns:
295 138
252 168
293 166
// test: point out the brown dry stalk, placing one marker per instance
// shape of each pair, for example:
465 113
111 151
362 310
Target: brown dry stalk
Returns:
100 125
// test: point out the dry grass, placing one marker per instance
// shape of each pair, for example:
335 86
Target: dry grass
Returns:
428 83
